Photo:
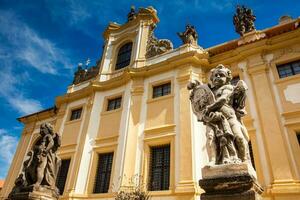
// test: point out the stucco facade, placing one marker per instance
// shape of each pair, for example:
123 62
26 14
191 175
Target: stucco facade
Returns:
142 121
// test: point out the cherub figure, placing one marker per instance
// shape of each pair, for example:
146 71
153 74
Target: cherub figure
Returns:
220 106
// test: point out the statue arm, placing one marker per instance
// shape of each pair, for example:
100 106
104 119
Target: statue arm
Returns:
221 101
50 144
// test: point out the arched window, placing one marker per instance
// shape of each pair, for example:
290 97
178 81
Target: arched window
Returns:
124 55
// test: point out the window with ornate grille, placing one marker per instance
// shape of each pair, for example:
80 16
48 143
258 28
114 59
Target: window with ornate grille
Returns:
114 104
161 90
289 69
159 168
62 175
76 114
103 173
124 56
235 80
251 154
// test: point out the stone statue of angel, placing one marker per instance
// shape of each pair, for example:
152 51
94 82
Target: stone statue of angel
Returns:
41 167
220 106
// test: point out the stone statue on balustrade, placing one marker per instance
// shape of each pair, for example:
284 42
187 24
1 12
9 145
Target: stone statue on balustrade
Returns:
40 168
189 36
220 106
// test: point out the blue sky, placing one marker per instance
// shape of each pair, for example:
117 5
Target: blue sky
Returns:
42 41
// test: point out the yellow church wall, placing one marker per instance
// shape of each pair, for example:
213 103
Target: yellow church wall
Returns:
109 125
160 110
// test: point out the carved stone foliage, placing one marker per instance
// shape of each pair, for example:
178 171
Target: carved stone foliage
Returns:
40 168
220 106
189 36
85 74
243 20
156 46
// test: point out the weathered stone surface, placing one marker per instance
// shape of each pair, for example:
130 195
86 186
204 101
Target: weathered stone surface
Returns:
33 193
233 181
38 177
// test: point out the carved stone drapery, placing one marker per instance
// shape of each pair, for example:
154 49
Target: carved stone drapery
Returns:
40 169
156 46
243 20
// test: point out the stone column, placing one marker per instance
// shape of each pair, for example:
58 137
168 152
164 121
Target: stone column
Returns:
185 182
131 142
272 132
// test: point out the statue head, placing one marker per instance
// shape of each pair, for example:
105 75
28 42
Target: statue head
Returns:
46 128
220 75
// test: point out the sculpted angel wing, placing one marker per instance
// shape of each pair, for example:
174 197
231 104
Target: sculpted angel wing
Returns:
239 98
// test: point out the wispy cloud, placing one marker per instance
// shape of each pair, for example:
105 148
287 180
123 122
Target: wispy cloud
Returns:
8 146
22 49
25 45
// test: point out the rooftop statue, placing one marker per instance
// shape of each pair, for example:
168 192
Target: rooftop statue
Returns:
220 106
40 169
243 20
189 36
132 14
156 46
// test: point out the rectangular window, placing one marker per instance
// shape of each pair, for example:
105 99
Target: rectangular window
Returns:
298 137
62 175
103 173
235 80
289 69
114 103
159 168
161 90
251 154
76 114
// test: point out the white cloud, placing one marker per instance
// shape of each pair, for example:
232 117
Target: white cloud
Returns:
21 47
24 44
8 145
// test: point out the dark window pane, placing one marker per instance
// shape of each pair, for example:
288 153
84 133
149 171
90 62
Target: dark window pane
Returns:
298 137
251 154
103 173
159 168
76 114
235 80
161 90
288 69
124 56
62 175
114 103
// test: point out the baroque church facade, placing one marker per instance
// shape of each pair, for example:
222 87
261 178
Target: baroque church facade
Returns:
130 116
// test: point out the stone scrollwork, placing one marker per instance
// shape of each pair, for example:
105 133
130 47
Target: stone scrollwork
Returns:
220 106
156 46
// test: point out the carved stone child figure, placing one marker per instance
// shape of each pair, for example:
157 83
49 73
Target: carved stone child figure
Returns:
218 133
220 106
224 95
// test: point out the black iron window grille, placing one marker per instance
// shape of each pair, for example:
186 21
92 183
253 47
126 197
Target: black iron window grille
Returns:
159 168
289 69
114 104
102 179
161 90
62 175
235 80
298 137
76 114
124 56
251 154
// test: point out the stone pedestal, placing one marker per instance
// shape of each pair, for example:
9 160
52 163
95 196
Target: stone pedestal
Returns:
32 193
251 37
230 182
